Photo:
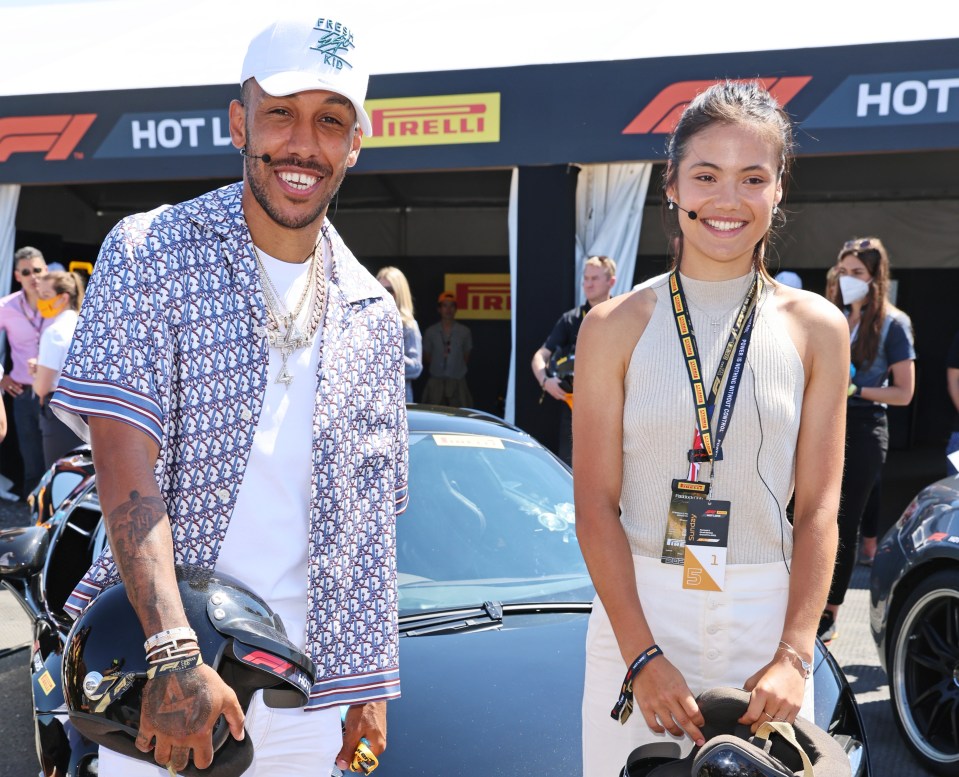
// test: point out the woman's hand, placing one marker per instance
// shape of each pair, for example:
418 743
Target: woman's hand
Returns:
667 704
776 692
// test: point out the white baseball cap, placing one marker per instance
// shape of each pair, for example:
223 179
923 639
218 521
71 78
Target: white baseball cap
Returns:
297 54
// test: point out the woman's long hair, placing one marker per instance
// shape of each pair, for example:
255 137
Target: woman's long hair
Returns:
735 103
872 253
401 292
69 283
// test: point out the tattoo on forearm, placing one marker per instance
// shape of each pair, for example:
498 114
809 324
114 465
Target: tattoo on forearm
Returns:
178 704
128 527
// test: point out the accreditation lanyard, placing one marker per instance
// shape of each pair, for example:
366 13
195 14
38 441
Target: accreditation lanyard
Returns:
707 446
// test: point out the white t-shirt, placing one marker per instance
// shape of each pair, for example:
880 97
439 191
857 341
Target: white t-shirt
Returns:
55 341
266 543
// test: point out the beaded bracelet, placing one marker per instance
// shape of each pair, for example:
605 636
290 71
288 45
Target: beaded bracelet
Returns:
624 706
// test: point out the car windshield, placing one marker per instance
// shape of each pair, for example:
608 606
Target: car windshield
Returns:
489 519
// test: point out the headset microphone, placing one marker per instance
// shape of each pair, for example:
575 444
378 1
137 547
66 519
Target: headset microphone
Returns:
265 157
690 213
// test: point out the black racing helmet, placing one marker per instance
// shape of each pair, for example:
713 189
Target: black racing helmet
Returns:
561 365
731 751
104 664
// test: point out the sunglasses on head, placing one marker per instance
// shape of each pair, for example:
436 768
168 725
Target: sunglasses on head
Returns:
26 272
859 245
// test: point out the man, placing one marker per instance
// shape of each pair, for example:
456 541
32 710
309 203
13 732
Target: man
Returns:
242 376
599 275
446 350
23 324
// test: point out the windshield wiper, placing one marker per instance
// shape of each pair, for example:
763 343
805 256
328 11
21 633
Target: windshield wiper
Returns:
489 615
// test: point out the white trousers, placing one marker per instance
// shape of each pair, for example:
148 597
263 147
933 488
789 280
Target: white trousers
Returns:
714 639
286 742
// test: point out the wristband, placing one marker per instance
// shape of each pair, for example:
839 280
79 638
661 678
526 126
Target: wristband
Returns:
624 706
176 665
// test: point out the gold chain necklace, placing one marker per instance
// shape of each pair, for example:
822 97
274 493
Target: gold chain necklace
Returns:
281 328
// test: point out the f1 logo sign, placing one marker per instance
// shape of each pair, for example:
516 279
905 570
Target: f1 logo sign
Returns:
55 135
664 110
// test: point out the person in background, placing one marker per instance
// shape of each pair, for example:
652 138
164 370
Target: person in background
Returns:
446 350
599 275
883 373
396 284
59 298
952 385
22 323
673 624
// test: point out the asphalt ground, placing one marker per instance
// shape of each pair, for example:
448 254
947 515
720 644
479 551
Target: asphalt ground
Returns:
906 472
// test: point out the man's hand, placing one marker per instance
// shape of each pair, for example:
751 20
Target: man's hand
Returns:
363 720
9 385
551 386
180 709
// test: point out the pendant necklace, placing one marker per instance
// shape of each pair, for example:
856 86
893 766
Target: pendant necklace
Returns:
281 330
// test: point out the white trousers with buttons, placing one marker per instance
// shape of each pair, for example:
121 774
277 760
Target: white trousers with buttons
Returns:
286 742
714 639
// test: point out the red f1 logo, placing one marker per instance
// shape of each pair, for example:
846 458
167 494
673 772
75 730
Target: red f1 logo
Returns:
664 110
55 135
261 658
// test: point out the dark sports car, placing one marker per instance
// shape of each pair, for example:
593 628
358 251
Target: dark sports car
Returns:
914 599
494 600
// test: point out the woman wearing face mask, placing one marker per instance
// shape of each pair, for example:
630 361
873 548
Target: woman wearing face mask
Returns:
59 298
883 356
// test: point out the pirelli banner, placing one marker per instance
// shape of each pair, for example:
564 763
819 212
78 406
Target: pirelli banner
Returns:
853 99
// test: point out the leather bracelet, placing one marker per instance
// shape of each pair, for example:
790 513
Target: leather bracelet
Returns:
170 635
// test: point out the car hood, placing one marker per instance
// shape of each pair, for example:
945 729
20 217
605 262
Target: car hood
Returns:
504 701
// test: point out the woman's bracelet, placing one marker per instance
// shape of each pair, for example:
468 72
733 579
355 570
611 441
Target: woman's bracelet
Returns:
806 665
624 706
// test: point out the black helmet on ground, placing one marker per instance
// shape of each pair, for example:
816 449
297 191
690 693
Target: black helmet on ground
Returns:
730 750
105 667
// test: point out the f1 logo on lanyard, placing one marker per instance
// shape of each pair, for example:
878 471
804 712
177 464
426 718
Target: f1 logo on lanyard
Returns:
697 528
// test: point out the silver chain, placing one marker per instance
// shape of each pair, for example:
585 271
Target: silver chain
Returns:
281 328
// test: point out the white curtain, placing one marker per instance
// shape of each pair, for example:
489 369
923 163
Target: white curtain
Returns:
510 409
609 216
9 197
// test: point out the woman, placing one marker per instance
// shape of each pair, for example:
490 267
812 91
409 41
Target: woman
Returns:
59 298
883 356
635 415
396 284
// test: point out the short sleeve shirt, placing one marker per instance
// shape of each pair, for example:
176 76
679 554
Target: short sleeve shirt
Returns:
566 329
172 340
895 345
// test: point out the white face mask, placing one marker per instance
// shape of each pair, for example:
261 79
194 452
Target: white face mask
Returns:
852 289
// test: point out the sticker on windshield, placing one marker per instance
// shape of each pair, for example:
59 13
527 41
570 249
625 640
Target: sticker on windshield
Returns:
468 441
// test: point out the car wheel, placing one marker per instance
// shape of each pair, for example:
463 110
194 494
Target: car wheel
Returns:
924 671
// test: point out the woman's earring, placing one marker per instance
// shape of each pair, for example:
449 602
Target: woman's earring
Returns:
670 203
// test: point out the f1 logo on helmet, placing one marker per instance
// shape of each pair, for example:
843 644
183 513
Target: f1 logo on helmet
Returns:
57 136
271 662
663 111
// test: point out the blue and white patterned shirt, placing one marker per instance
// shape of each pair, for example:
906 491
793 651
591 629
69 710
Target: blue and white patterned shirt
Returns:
167 342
